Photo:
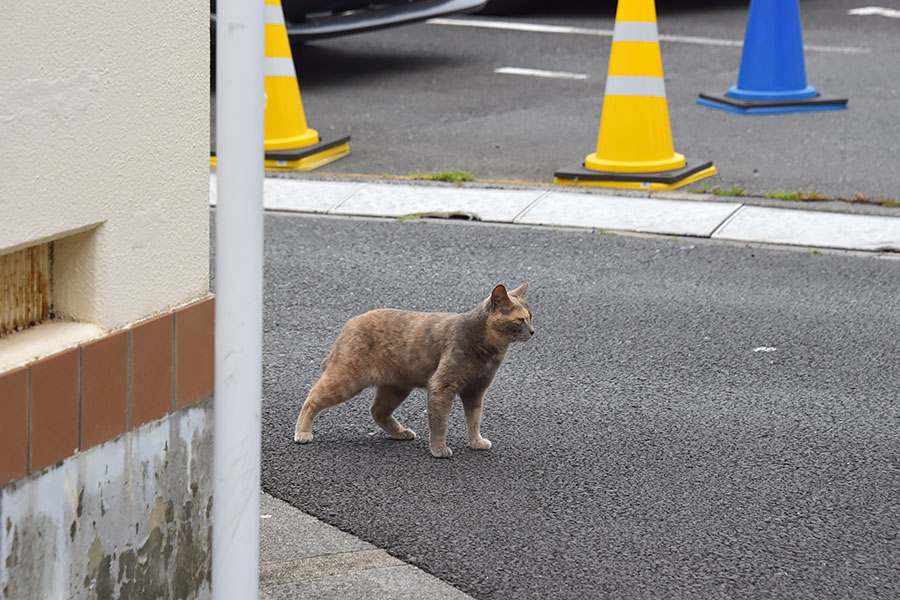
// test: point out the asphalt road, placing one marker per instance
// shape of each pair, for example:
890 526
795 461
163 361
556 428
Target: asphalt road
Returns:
691 419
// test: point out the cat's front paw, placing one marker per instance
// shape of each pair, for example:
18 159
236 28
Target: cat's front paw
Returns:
480 444
302 437
441 451
406 434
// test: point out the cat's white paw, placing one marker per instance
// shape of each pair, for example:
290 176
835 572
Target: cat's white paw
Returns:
480 444
302 437
406 434
441 452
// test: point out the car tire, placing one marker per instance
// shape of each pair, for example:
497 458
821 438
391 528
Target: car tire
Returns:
212 59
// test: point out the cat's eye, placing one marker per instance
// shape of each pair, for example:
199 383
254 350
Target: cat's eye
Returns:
521 321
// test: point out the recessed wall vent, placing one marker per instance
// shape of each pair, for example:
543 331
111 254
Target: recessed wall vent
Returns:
24 288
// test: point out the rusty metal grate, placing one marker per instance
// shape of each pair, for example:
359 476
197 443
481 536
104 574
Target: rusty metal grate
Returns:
24 288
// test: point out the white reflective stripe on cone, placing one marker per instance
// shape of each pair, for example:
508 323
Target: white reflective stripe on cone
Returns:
634 85
635 31
279 67
274 15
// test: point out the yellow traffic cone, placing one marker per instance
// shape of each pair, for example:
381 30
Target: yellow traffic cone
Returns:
634 146
290 145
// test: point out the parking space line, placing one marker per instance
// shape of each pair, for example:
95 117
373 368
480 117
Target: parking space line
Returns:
879 11
539 73
512 26
570 30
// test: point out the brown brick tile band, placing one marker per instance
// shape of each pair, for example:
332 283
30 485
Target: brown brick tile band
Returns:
194 353
104 389
81 397
13 424
53 402
152 369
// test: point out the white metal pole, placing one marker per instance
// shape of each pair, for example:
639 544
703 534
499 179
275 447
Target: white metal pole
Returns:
240 42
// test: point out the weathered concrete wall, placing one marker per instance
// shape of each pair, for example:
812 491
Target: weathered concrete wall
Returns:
130 518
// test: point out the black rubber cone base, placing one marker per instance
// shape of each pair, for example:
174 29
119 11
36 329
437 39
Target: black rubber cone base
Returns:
306 158
307 151
771 107
691 171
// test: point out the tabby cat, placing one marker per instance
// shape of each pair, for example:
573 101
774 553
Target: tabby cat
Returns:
447 354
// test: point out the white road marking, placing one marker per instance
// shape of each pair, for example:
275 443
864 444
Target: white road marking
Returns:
682 39
511 26
539 73
765 349
866 11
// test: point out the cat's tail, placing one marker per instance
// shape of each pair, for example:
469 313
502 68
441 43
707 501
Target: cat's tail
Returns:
327 360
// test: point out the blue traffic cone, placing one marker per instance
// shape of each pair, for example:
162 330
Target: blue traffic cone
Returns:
772 78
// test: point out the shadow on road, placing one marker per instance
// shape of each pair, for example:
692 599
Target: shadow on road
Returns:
326 63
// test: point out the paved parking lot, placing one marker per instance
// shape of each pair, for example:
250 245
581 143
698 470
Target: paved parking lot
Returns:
428 97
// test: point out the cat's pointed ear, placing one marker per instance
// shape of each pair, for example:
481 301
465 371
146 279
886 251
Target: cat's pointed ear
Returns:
519 292
499 296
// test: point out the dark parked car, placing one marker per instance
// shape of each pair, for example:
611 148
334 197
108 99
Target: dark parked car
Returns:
316 19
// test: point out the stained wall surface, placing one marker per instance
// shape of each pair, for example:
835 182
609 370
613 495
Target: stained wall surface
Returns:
130 518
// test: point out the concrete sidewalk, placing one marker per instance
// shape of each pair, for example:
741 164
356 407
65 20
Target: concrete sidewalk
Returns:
590 209
302 557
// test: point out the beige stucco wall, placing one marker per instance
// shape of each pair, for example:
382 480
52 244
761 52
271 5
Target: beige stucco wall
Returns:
104 130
